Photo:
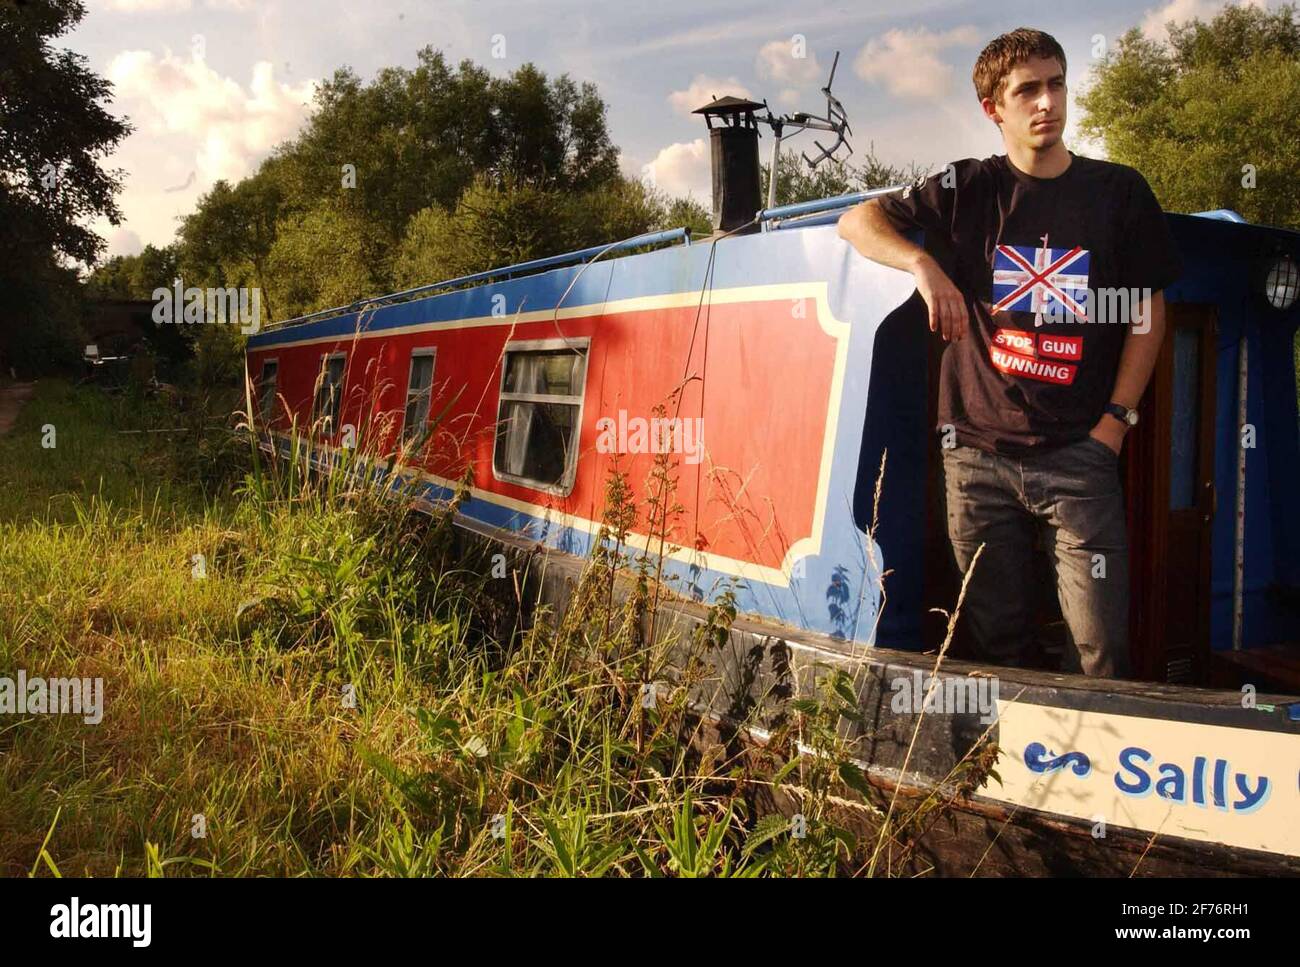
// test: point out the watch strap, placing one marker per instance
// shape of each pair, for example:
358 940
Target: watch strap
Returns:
1120 413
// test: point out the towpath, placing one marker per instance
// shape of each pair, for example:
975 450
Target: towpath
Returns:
12 398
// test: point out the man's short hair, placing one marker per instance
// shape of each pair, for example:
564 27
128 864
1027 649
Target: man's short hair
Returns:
1004 53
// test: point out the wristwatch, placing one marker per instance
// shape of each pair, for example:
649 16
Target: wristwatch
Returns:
1123 414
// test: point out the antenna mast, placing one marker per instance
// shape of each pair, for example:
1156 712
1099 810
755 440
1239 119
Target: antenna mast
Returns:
835 121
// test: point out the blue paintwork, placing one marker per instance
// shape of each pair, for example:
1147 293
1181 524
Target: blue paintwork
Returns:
1223 260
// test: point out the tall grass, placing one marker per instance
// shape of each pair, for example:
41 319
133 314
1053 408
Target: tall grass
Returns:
346 688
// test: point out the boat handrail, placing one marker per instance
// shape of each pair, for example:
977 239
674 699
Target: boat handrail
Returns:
1222 214
552 261
819 205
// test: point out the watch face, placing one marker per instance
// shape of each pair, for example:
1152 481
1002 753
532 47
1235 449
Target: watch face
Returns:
1132 417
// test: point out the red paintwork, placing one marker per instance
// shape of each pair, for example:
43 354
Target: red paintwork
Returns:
767 377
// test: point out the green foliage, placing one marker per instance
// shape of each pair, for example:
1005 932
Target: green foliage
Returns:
496 225
490 226
416 176
1193 112
688 213
40 331
54 134
51 182
217 364
336 697
797 182
324 257
228 238
418 137
134 276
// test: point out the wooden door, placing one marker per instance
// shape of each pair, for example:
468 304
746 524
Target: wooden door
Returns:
1169 480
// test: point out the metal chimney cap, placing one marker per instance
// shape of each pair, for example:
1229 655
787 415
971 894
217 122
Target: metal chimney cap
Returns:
728 105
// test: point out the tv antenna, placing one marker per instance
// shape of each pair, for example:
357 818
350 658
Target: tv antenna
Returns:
835 120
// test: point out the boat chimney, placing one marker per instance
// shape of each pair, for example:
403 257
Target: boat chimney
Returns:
733 154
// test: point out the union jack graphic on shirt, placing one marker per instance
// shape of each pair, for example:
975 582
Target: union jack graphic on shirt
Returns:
1028 279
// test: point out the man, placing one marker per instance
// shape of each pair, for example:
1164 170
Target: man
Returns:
1042 270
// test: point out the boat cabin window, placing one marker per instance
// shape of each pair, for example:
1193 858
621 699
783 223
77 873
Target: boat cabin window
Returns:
539 413
329 393
419 390
266 389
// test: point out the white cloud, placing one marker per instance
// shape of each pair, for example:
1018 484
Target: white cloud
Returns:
165 6
776 61
229 127
682 169
907 62
123 241
705 89
192 126
146 6
726 31
1181 11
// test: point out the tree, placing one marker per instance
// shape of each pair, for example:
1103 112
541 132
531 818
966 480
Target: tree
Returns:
228 238
54 135
326 257
54 132
796 181
494 225
550 131
1211 117
415 138
611 212
688 213
490 226
324 220
134 276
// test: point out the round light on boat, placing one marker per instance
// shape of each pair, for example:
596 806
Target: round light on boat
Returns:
1282 283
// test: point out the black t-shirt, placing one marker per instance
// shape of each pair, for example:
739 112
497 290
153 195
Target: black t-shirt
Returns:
1048 267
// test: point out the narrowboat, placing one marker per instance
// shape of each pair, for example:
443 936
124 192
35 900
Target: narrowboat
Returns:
784 371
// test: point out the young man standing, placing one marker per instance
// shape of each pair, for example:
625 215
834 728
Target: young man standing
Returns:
1042 270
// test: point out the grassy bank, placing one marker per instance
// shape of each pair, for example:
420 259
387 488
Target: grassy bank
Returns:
303 680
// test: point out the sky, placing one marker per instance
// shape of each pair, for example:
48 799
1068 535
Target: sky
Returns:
212 86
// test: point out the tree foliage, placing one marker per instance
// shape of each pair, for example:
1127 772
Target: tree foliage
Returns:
1211 117
489 170
494 225
796 181
134 276
324 257
54 135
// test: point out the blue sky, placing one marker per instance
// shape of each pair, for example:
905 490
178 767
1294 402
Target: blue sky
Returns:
213 85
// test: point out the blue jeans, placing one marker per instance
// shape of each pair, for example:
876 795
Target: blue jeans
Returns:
1072 495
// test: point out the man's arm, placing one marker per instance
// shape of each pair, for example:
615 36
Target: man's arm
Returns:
1136 362
1149 261
870 232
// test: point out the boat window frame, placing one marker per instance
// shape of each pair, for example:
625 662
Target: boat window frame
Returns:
418 352
325 359
577 343
262 415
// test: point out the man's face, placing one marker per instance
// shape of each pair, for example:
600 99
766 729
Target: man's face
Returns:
1033 105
